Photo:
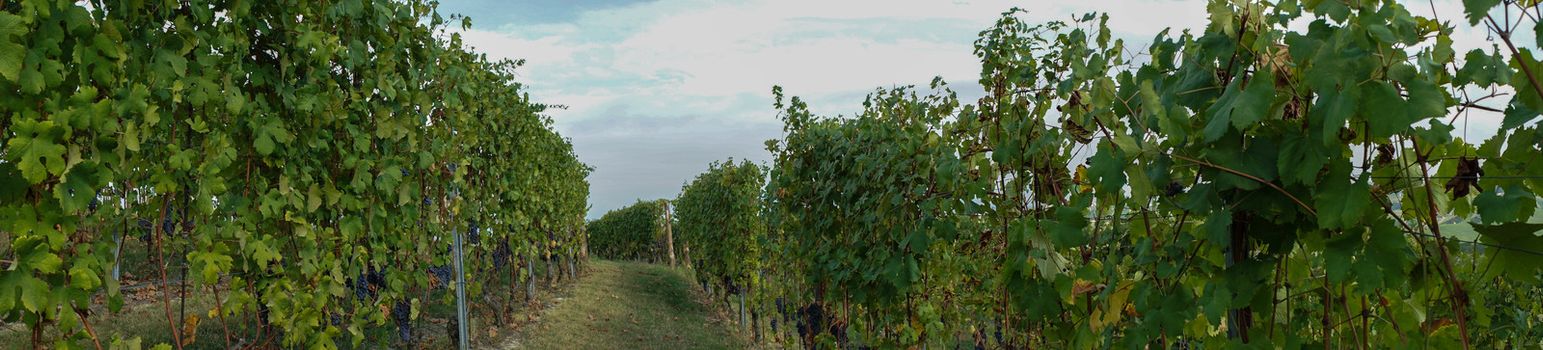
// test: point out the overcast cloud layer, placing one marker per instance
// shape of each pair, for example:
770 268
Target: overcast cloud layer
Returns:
656 90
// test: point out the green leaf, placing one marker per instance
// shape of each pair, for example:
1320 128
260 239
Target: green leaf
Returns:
1067 230
10 287
263 144
1516 116
1256 102
1218 227
1482 69
178 64
1519 241
1386 259
1338 253
1513 205
12 186
268 135
1300 160
1477 9
1331 112
78 187
1220 112
10 50
210 265
124 344
31 80
40 154
1107 169
1383 110
84 279
1526 92
1340 201
34 294
1426 100
44 262
130 137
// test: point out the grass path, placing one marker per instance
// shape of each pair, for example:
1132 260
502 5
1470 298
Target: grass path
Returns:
624 305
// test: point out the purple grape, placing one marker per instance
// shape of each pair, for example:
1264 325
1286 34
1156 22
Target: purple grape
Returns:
444 273
402 313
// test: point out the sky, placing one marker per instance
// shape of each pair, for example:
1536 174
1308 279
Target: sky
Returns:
656 90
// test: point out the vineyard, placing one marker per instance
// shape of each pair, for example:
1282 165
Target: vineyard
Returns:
1287 177
306 164
350 174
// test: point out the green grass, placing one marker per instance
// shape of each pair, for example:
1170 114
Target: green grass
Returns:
625 305
618 305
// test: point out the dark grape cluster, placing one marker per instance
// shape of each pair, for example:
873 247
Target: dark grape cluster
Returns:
811 321
368 283
782 309
402 314
731 287
502 254
168 226
473 234
144 230
445 274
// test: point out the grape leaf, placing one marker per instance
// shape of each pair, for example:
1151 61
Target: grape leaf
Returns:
1386 259
1517 244
1240 107
1107 168
1300 160
78 187
1477 9
1256 101
10 50
1331 112
1509 204
1383 110
1426 100
1517 115
34 293
1338 253
1068 228
1526 92
1340 201
1482 69
40 154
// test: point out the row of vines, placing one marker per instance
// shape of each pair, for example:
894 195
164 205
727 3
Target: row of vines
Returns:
634 232
307 163
1289 176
